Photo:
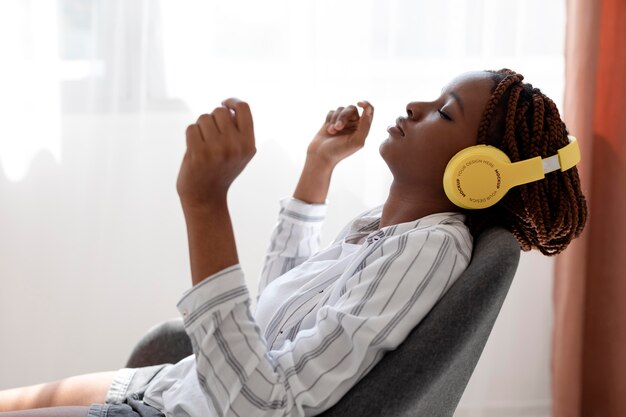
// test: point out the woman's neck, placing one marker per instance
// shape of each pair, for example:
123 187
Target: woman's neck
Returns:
405 204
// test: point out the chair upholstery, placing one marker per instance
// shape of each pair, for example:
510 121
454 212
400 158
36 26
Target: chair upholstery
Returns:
166 342
427 374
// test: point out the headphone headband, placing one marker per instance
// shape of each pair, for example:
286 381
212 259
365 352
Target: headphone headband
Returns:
479 176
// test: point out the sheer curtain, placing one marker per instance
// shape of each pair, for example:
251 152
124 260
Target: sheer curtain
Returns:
96 97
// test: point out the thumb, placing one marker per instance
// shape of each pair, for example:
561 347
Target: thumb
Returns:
366 118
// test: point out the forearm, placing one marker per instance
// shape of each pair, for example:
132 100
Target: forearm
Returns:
314 181
211 239
219 146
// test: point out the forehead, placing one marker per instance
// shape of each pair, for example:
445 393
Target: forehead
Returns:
477 83
473 88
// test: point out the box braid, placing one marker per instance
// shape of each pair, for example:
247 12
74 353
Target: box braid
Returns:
521 121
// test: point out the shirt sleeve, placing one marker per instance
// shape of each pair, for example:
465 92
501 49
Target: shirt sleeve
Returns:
392 288
295 238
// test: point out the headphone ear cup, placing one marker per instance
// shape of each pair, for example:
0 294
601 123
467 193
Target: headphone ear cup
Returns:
474 177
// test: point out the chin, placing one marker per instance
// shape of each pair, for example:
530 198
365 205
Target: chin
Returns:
383 149
386 154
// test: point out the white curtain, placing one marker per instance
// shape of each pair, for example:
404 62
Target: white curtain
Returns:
95 97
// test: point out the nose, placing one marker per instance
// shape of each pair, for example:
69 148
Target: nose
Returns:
415 109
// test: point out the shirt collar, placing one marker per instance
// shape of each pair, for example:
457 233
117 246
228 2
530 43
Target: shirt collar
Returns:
368 227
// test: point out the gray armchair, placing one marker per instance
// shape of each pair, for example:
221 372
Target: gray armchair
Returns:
427 374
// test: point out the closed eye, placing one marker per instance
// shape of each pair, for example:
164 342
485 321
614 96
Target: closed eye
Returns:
444 115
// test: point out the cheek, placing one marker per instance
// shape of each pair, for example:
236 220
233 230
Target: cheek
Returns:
436 158
446 149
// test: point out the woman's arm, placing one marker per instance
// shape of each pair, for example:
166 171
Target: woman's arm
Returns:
219 146
342 134
296 236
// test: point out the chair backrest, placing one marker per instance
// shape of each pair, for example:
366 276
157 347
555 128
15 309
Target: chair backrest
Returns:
167 342
427 374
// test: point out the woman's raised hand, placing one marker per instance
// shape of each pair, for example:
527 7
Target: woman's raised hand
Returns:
342 134
219 146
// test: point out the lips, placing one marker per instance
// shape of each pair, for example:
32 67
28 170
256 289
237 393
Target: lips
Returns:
398 129
400 124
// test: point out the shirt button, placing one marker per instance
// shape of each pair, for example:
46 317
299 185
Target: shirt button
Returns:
185 313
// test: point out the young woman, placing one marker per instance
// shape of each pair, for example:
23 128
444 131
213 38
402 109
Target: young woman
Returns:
325 317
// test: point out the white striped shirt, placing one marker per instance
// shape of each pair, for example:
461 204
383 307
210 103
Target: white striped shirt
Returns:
323 318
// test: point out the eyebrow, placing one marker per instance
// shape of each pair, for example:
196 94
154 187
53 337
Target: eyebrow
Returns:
459 101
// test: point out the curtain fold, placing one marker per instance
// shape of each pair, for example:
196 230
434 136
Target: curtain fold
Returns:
589 347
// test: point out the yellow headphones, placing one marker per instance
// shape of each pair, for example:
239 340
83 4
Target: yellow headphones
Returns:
479 176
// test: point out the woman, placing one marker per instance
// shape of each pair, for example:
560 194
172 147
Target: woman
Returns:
325 318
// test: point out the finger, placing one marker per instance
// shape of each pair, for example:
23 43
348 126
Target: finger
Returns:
368 109
223 119
347 115
242 114
366 118
194 136
335 116
333 119
207 127
329 116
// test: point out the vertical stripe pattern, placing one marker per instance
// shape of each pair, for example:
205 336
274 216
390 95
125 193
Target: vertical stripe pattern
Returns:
324 318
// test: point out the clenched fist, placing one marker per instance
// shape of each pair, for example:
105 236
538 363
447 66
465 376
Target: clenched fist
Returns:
219 146
343 133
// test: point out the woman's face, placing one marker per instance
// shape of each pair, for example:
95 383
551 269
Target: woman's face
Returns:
420 145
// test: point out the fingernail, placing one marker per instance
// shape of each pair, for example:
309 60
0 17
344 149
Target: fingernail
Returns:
338 124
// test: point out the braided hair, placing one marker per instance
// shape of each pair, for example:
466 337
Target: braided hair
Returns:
521 121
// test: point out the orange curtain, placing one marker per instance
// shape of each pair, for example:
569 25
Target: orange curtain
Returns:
589 344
